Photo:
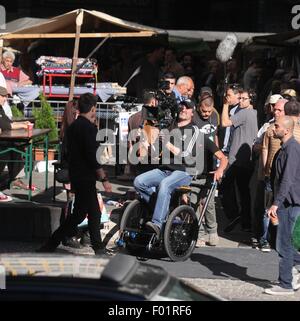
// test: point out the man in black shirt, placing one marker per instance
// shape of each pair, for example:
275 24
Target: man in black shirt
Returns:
84 170
179 170
207 120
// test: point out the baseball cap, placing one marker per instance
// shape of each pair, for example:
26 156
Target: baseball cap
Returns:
188 104
3 91
290 92
274 98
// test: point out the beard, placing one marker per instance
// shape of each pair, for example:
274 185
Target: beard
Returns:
278 135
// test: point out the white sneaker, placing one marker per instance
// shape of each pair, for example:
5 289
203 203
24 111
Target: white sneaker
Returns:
296 279
278 290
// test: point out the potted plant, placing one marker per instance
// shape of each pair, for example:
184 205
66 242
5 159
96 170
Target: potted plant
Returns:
16 112
44 118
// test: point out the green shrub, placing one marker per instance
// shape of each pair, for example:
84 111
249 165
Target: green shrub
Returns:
16 112
296 235
44 118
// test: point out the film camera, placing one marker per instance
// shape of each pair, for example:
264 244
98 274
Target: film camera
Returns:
128 102
166 110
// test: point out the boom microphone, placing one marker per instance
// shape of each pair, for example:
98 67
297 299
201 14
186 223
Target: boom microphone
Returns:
226 47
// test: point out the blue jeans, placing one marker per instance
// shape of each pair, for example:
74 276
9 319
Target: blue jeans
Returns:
288 256
266 221
268 199
164 182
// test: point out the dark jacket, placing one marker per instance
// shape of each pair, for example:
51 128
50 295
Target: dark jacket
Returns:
82 148
287 181
5 122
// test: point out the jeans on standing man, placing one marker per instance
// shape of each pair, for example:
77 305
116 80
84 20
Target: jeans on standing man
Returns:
288 256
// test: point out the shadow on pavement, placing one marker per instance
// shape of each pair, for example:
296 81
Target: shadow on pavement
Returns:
224 269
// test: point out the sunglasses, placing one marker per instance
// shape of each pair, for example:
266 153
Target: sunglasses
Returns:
234 86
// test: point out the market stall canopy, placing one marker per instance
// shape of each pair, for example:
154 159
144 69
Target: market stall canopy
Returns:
209 36
199 40
283 39
187 40
22 23
284 44
95 24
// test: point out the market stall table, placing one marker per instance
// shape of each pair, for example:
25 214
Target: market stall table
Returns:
15 141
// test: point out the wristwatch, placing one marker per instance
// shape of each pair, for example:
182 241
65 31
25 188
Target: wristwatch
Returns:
105 179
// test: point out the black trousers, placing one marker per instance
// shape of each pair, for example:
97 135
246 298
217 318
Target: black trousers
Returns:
14 168
86 203
259 209
237 177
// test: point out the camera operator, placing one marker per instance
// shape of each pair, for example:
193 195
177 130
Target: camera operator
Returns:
161 117
136 124
167 107
168 177
137 120
151 121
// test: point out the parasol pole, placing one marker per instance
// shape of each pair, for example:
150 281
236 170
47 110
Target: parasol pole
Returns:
1 48
79 20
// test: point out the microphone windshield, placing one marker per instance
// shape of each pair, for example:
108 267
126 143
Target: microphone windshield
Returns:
226 47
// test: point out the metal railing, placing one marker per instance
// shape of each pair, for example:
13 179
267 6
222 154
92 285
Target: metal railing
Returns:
107 110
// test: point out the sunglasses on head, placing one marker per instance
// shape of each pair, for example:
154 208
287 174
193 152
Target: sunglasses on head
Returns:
234 86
